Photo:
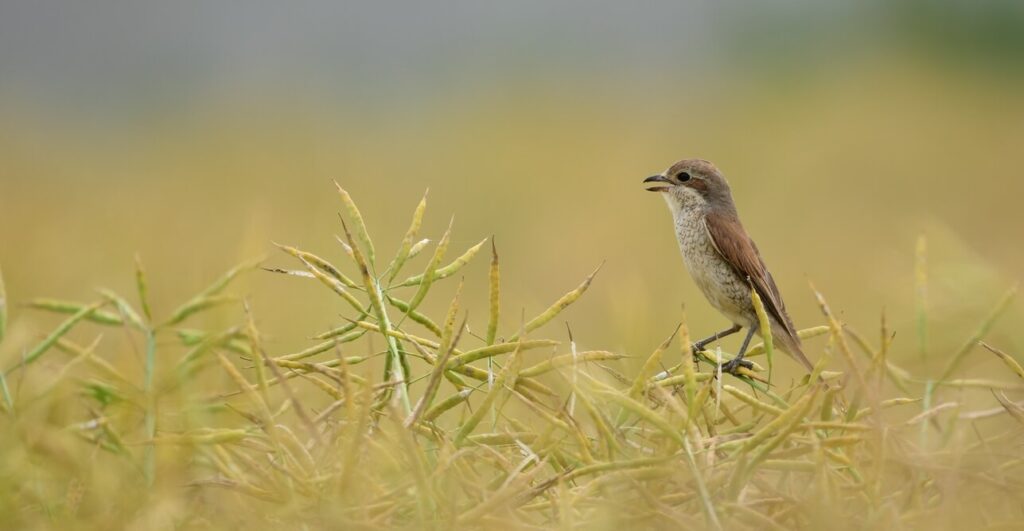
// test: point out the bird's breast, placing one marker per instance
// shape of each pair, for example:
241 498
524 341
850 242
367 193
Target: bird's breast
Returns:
713 275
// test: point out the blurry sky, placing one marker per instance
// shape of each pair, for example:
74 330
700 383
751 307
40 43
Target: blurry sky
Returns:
194 133
166 52
115 55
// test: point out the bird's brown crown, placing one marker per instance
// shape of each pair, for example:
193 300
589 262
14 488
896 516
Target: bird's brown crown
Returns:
693 166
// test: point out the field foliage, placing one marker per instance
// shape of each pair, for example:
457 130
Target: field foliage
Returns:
396 418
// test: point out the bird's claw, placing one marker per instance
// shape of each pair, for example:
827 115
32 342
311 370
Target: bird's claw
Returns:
732 366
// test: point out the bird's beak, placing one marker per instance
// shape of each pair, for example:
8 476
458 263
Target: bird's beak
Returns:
657 179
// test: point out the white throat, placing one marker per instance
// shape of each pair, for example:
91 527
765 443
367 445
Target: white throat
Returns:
684 202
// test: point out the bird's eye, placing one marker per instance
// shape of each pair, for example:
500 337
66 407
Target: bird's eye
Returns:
683 176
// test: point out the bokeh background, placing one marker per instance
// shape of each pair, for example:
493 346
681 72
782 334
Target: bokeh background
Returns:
195 133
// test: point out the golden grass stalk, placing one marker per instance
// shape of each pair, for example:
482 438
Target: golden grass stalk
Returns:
1015 410
684 380
981 383
649 367
255 346
416 316
565 360
689 369
97 362
124 308
344 329
982 331
314 264
496 350
396 364
752 402
561 304
334 284
82 356
768 460
418 248
325 346
497 396
358 223
446 405
195 306
254 393
644 413
501 439
794 414
794 418
449 336
405 250
898 376
205 437
429 274
765 327
706 502
142 288
446 271
449 339
71 308
32 355
1006 358
227 278
494 295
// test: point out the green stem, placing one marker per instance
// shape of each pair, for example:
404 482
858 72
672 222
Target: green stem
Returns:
149 453
398 363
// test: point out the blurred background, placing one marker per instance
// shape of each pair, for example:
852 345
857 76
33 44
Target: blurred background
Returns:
196 133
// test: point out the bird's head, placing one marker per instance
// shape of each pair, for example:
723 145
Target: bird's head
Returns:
691 183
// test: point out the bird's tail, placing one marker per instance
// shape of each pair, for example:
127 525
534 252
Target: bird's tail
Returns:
790 343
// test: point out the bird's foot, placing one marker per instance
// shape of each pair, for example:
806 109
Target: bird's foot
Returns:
732 366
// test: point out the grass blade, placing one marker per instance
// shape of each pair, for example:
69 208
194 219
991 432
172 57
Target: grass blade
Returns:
430 273
124 308
497 350
448 270
407 242
71 308
494 295
446 404
416 316
503 385
54 336
982 331
556 308
336 286
565 360
357 221
449 339
766 329
142 287
397 363
316 264
1007 359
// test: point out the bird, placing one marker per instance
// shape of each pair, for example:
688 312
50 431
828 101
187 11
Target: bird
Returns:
722 259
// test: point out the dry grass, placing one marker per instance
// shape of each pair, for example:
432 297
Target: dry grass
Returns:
399 419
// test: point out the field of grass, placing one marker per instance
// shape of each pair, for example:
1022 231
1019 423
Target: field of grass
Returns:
478 415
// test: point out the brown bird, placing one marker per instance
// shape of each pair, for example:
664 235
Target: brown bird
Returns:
722 259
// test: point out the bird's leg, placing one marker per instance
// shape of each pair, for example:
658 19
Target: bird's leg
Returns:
699 346
733 364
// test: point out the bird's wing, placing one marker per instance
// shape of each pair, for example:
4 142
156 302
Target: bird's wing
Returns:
735 246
